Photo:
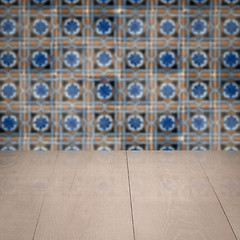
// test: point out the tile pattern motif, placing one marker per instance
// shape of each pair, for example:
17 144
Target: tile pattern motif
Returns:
119 74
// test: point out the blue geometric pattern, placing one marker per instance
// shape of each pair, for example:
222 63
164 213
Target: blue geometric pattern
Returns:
119 75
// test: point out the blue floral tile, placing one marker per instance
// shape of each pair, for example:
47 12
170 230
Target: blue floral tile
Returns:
9 123
104 123
72 123
120 75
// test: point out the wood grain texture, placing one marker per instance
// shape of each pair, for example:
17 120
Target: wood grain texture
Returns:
235 222
18 216
223 170
26 172
7 162
173 199
94 202
85 195
24 178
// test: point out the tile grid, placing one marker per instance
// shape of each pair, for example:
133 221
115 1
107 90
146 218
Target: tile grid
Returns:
120 106
151 107
24 75
152 95
57 78
215 83
213 96
183 108
88 83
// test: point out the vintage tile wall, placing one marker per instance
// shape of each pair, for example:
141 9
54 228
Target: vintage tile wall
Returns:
119 74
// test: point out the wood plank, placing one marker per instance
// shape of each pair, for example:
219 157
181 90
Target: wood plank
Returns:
9 161
94 202
27 172
18 216
24 178
235 222
64 172
223 170
173 199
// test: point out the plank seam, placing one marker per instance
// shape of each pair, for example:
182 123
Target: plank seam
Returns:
70 189
218 200
35 230
130 197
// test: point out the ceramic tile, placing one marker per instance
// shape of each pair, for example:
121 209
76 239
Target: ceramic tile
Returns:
119 74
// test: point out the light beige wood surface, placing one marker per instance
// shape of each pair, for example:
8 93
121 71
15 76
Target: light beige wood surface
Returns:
235 223
27 172
88 198
223 170
18 216
24 178
173 199
118 195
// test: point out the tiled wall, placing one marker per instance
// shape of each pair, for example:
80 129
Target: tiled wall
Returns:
119 74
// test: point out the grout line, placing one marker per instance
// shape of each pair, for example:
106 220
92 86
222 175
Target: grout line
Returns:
130 197
218 199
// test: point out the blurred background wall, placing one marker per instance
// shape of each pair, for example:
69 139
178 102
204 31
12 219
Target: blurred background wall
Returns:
119 74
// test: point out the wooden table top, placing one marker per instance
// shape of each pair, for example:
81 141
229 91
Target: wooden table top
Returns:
120 195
